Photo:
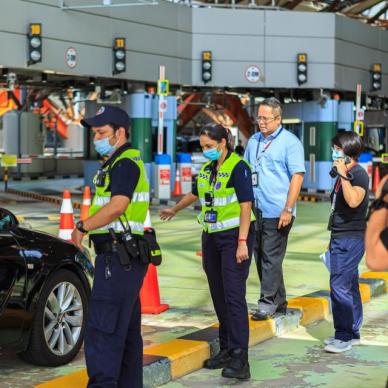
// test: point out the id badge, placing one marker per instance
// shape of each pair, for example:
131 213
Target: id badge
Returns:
211 216
255 179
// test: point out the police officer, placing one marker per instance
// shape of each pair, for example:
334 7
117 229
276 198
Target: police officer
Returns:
224 188
113 342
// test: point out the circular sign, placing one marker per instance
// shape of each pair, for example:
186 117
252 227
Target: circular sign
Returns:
162 106
71 57
252 74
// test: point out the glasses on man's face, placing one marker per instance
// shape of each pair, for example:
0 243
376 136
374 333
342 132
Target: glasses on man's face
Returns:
265 120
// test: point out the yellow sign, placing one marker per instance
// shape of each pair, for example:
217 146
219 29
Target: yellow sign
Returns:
163 87
358 127
9 160
384 158
377 67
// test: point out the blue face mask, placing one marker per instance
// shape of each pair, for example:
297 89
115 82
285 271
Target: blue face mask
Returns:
212 154
103 147
337 154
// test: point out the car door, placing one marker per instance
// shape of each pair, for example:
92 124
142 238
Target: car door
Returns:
12 288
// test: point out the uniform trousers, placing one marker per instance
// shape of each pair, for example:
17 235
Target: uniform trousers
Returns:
269 250
227 283
113 342
345 256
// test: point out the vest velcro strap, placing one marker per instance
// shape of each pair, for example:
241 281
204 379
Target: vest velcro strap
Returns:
141 197
101 201
222 201
117 227
232 222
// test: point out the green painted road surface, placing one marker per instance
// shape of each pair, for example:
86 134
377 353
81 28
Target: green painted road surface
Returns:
290 361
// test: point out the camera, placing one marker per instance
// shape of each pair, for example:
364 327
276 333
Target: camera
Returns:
100 179
209 198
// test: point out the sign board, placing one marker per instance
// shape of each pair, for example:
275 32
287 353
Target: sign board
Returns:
360 115
162 105
163 87
71 57
9 161
24 160
252 74
164 176
359 127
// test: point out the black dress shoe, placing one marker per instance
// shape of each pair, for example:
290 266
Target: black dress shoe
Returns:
238 366
218 361
261 315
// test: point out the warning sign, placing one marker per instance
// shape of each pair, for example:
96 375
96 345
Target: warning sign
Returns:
186 174
164 176
9 161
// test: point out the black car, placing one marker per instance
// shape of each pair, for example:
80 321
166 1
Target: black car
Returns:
45 284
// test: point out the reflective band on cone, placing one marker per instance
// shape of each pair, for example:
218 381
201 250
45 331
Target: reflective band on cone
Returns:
86 203
66 224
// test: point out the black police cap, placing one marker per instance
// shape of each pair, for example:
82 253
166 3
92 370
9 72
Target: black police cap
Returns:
107 115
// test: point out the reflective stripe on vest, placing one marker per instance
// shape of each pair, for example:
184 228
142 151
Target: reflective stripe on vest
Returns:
136 197
221 201
221 225
116 226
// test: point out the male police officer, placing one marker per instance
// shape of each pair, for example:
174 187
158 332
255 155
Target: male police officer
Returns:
113 342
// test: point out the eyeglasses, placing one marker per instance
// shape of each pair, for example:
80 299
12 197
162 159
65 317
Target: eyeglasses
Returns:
265 119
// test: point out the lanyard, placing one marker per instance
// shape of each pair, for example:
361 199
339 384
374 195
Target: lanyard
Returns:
259 155
336 189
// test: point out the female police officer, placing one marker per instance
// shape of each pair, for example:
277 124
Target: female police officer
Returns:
224 187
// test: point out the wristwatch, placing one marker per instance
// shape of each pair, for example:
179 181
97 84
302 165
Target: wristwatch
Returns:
289 210
80 226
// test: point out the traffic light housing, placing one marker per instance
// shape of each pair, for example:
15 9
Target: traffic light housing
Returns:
119 56
34 38
376 77
301 67
207 66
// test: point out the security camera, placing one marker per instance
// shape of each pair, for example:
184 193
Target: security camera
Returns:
11 81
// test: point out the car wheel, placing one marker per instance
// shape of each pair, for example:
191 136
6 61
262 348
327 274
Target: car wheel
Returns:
58 326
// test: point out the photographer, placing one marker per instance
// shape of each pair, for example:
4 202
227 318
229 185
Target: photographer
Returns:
376 237
347 225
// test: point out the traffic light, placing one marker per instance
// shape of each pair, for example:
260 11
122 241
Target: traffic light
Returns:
119 54
376 77
206 66
34 38
302 69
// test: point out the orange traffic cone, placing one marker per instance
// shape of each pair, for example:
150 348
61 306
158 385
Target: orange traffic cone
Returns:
149 293
86 203
66 224
376 179
177 185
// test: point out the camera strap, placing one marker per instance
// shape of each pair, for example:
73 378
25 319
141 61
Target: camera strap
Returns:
336 189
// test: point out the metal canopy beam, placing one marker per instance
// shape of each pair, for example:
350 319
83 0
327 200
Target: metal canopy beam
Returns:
360 7
378 14
106 4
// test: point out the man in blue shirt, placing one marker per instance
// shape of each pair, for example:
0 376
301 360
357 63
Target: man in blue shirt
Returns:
277 160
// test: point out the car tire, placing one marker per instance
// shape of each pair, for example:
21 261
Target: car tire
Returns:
40 351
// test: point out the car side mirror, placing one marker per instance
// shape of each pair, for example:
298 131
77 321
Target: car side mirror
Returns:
8 220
